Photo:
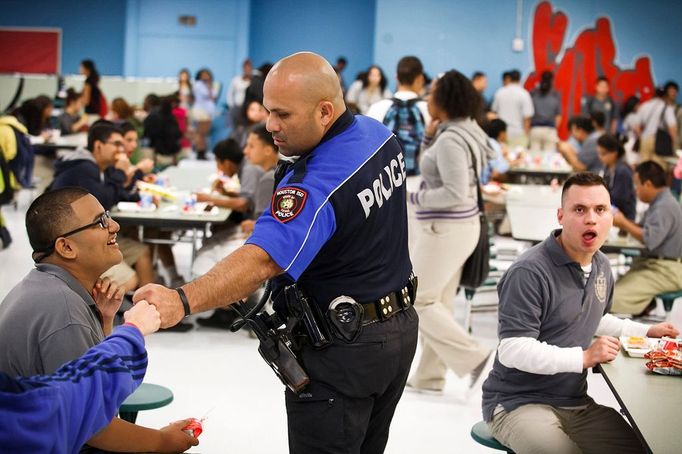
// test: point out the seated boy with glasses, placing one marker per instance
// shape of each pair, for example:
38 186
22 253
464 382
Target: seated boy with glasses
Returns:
62 307
102 169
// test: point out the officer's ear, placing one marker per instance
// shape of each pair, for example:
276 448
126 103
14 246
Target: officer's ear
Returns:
326 110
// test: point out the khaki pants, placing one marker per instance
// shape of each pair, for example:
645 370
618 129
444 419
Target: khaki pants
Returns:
646 279
542 429
440 252
518 141
647 152
543 138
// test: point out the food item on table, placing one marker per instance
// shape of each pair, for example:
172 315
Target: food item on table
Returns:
637 342
665 358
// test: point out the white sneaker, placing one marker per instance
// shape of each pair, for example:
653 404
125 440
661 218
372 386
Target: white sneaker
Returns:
426 391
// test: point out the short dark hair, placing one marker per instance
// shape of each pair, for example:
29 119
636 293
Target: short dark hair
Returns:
126 127
71 96
495 127
671 84
652 171
515 75
583 123
201 71
602 79
51 215
506 75
598 119
263 135
228 150
456 95
100 131
409 68
477 74
610 143
582 179
342 60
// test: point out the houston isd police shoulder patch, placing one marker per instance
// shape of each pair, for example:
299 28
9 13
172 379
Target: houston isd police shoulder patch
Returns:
287 203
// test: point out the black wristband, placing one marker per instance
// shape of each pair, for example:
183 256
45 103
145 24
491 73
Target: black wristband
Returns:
183 300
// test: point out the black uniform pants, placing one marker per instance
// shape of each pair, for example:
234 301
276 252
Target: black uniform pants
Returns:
354 389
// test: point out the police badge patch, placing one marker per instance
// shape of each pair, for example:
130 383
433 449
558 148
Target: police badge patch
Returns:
287 203
600 287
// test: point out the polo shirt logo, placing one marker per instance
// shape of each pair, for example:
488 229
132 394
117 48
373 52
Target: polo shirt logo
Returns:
287 203
600 287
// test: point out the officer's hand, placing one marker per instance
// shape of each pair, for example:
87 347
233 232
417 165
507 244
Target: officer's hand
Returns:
603 350
167 302
144 316
174 439
662 330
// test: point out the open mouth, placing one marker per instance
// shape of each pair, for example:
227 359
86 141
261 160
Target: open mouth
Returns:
589 236
112 241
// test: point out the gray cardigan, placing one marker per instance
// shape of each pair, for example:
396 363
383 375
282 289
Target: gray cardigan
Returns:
448 189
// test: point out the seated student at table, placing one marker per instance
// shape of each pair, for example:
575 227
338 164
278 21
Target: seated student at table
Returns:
88 169
61 411
62 307
583 130
660 270
261 151
618 175
71 121
553 300
230 161
498 166
142 170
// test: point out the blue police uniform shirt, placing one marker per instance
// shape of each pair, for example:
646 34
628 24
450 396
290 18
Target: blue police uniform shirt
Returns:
337 224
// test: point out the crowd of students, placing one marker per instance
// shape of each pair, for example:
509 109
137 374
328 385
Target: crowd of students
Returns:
453 141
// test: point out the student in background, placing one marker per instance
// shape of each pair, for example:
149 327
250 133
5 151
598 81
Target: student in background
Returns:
203 110
659 270
91 96
584 132
185 89
374 88
617 175
601 102
547 116
71 121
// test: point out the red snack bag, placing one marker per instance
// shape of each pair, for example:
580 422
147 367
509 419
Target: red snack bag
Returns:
194 428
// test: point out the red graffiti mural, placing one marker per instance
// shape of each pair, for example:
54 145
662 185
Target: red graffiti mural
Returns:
577 69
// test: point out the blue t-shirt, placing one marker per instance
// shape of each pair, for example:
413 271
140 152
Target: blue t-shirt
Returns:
337 224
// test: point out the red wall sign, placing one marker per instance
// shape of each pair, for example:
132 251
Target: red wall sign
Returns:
30 50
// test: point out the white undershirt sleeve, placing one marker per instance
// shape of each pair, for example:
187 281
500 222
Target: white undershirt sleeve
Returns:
535 357
616 327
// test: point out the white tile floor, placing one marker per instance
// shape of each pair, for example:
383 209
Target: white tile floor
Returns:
221 375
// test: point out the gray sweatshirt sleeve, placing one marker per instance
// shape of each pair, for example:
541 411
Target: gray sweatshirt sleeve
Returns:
452 161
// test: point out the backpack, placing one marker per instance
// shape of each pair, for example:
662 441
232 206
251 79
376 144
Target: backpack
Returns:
406 121
22 164
6 189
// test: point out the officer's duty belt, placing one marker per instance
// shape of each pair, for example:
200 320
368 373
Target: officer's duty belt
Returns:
386 307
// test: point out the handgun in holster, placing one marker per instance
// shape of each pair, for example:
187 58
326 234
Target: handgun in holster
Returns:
301 310
276 346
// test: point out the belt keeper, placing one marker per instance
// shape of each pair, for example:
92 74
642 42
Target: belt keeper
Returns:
183 300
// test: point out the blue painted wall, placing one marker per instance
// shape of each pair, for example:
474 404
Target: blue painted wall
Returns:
141 37
90 29
472 35
328 27
157 45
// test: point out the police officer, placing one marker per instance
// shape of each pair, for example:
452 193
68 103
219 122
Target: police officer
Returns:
337 227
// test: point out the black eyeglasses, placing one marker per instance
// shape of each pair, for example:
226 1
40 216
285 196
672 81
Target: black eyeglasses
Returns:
117 144
102 220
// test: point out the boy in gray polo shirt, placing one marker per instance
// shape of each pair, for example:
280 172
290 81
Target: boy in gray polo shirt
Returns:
553 300
660 270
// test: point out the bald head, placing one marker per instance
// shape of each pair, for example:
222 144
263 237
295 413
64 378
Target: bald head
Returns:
304 98
311 75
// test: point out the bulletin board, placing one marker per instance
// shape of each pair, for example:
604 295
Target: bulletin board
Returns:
30 50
